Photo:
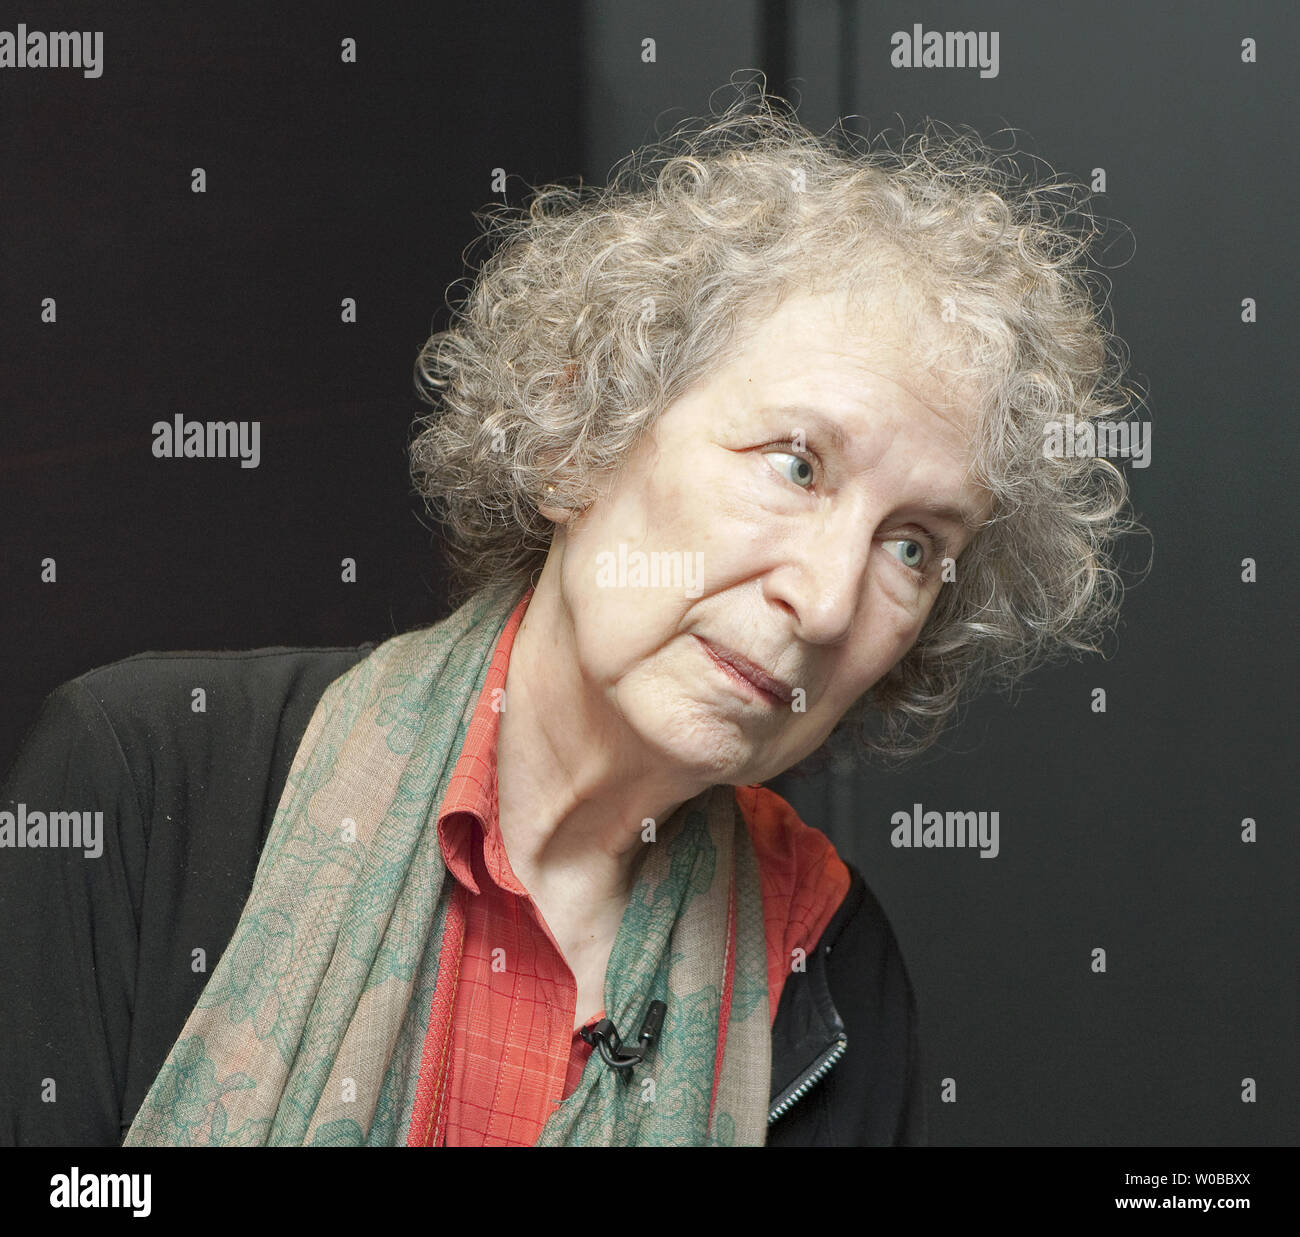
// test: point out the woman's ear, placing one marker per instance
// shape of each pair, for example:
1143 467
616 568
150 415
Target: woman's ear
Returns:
556 515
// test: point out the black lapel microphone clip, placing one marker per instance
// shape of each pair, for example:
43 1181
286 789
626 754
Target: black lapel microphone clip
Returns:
604 1036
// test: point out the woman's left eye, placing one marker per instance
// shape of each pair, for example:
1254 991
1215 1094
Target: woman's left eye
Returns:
792 467
912 551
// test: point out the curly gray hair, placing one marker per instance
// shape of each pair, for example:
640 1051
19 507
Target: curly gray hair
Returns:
598 307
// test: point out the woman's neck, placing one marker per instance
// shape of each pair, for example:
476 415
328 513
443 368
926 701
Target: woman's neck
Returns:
575 788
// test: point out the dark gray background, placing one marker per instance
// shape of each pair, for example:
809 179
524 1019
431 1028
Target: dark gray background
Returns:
1119 830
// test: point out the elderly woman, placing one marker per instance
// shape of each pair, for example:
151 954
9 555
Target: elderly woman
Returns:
740 460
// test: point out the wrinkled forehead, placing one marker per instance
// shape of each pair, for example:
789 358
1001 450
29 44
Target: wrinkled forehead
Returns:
896 328
889 331
920 333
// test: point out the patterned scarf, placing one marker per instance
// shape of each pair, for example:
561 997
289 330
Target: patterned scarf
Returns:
312 1027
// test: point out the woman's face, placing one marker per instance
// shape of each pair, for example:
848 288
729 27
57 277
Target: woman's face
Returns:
810 490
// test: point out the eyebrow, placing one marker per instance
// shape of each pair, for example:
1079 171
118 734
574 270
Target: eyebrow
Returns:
826 428
831 430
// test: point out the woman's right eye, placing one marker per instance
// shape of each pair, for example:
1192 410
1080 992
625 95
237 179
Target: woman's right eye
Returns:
792 467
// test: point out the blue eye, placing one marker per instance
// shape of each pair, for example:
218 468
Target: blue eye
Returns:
799 470
913 554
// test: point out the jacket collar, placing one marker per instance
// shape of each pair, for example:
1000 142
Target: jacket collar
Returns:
808 1035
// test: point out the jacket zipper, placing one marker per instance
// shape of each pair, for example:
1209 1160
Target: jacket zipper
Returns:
810 1080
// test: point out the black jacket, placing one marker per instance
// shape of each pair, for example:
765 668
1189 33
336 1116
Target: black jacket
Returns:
98 969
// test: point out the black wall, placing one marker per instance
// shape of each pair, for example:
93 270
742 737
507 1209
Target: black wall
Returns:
325 180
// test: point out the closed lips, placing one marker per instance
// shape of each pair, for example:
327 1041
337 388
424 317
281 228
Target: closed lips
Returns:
749 671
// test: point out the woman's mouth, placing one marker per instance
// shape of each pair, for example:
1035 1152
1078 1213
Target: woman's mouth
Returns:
755 682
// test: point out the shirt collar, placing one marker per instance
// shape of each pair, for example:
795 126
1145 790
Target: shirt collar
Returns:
471 796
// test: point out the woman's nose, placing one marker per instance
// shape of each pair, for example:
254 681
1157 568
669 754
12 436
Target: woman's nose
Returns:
822 585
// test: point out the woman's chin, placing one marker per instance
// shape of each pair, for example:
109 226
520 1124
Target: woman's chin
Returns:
710 748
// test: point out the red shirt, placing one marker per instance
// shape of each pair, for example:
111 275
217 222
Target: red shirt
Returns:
501 1050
